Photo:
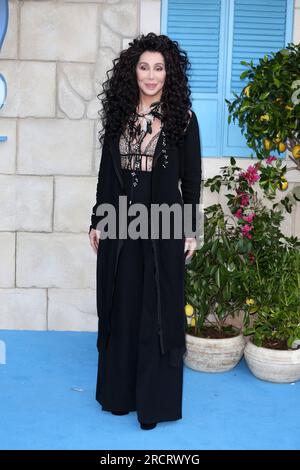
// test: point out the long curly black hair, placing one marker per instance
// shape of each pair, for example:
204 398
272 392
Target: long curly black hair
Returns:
121 91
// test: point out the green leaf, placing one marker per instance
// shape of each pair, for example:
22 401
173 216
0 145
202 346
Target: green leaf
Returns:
217 277
276 81
264 95
244 74
248 331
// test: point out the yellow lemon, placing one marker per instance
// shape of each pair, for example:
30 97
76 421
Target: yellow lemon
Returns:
264 117
193 322
296 151
277 139
189 310
267 144
247 91
283 185
253 309
281 147
250 301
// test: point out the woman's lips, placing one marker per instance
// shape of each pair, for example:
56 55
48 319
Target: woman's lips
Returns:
151 85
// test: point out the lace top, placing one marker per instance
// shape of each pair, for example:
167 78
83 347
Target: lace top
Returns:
133 157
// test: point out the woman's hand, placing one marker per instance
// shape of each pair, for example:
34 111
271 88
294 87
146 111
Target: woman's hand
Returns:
94 239
190 246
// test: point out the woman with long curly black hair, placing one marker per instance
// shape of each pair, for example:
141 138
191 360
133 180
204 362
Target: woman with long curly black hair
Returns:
150 143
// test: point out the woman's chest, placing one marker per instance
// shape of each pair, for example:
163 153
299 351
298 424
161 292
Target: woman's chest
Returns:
138 155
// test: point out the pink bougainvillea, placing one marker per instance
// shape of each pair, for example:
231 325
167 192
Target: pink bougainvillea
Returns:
245 230
270 159
249 218
251 257
244 199
251 174
239 213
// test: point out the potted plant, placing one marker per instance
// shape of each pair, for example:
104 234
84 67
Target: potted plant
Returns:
215 296
268 111
269 272
273 283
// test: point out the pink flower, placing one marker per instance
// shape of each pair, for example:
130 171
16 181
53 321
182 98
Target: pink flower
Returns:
251 257
250 174
270 159
245 230
239 213
249 218
244 199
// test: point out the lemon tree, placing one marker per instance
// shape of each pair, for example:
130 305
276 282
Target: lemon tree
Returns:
268 108
268 112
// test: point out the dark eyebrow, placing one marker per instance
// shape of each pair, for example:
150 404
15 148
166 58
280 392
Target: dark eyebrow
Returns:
158 63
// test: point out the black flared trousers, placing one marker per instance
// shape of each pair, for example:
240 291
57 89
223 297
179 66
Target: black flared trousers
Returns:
132 372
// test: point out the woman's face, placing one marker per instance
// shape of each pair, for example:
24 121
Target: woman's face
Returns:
151 74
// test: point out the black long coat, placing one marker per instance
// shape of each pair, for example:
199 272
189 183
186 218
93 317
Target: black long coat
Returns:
172 163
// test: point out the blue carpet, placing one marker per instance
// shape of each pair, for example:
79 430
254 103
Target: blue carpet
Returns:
47 401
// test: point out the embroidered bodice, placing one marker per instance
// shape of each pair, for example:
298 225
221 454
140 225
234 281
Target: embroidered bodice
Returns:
136 157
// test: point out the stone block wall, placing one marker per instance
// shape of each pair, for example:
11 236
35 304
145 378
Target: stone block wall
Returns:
54 59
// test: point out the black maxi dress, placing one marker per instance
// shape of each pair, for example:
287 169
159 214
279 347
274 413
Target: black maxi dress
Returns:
133 375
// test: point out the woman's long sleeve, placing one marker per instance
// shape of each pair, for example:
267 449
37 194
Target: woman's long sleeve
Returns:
103 174
192 169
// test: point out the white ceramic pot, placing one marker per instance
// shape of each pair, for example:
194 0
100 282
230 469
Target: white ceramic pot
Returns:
273 365
213 355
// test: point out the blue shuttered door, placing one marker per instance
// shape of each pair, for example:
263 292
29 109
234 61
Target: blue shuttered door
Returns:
197 26
217 35
255 29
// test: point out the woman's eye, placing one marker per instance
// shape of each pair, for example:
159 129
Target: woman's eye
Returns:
158 69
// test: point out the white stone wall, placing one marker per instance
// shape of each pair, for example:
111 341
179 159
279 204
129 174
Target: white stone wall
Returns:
54 58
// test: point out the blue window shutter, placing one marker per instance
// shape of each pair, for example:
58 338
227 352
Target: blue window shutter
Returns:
198 26
217 35
256 28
